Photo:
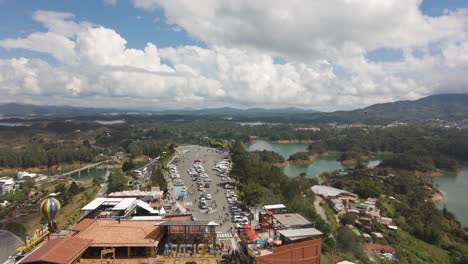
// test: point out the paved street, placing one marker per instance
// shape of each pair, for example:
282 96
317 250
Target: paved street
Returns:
208 156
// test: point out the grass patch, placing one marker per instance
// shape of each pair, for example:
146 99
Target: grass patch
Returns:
410 250
331 218
69 214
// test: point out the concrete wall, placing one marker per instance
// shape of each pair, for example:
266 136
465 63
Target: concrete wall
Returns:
307 252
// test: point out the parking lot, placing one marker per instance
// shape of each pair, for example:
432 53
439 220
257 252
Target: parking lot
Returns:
217 207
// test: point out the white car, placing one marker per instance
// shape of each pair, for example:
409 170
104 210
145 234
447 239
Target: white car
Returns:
239 225
208 196
203 200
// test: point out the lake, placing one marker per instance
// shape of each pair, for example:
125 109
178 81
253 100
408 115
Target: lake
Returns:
453 185
93 173
12 124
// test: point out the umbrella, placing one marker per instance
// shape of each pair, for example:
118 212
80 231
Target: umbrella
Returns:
269 213
258 241
253 236
264 224
249 231
246 226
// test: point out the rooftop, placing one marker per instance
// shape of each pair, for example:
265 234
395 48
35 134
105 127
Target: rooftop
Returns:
111 233
379 247
274 206
296 234
61 250
327 191
292 220
189 223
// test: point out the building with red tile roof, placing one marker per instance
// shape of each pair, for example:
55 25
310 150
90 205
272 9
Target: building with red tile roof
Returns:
65 250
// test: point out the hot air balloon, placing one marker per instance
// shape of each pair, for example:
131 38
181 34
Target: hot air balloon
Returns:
49 208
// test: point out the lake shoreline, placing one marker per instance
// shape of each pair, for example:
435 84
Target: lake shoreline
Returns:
281 141
438 196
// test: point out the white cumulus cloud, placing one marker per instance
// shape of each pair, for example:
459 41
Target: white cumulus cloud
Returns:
94 66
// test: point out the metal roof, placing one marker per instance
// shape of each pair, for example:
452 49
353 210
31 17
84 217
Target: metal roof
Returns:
94 204
124 204
327 191
295 234
290 220
274 206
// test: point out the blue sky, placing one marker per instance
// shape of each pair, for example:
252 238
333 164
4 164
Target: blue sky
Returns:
240 53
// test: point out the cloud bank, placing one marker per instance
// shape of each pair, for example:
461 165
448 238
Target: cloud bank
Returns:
94 67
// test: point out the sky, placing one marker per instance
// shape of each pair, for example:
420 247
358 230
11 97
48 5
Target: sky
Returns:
324 55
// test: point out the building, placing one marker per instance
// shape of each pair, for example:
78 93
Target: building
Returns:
24 174
275 208
188 238
149 196
282 238
7 185
125 238
297 246
120 208
329 192
338 199
65 250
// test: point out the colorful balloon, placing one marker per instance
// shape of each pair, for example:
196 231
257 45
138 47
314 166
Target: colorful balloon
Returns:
49 208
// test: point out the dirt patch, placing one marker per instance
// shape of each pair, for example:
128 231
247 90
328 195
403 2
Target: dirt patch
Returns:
281 164
435 173
438 196
287 141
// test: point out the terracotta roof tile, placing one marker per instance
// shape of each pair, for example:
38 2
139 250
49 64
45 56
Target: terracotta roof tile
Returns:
83 224
60 251
108 233
379 247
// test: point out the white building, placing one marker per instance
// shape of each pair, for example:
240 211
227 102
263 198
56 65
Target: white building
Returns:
23 174
7 185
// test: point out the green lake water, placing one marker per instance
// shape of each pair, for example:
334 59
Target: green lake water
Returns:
455 189
90 175
453 185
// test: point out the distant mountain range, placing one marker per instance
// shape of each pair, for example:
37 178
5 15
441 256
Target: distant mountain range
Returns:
29 109
443 106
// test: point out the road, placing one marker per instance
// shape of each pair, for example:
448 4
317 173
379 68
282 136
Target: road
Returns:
209 156
148 166
8 244
319 208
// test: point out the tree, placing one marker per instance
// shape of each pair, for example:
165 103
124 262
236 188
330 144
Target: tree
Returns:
117 182
251 195
157 177
73 189
128 165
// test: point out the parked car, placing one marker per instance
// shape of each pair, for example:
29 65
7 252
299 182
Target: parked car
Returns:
208 196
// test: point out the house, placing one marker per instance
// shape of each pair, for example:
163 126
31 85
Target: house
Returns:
338 199
7 185
24 174
380 248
